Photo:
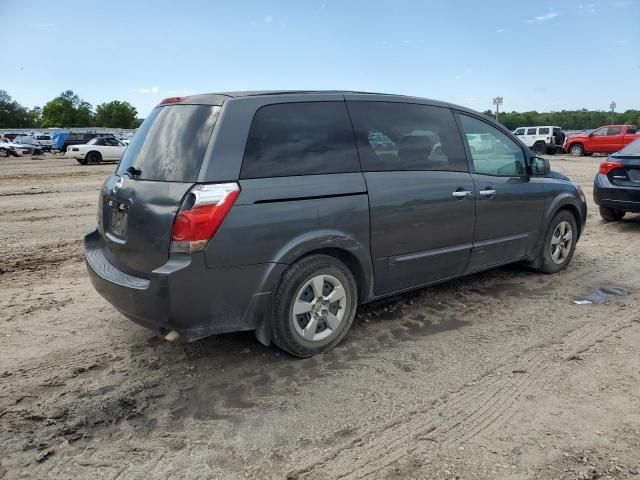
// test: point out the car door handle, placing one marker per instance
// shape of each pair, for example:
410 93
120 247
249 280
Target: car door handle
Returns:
462 193
487 192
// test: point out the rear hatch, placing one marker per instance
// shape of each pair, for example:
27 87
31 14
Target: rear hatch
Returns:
138 203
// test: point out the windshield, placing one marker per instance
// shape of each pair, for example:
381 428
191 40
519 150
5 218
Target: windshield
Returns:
170 144
632 149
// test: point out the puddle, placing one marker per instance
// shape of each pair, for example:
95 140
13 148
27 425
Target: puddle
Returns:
605 293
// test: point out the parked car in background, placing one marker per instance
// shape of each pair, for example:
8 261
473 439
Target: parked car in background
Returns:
45 141
62 140
616 188
32 143
276 211
607 139
545 139
97 150
10 149
480 143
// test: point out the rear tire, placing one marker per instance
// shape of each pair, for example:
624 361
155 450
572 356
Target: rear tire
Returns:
314 306
559 243
540 148
611 214
93 158
4 153
577 150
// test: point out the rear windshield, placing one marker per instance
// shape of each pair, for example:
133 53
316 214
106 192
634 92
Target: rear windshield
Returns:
632 149
169 145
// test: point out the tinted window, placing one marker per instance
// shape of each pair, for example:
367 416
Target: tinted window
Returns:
519 131
497 154
614 131
531 131
543 131
632 129
170 143
300 139
406 136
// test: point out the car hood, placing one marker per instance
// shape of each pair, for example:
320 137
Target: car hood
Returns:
558 175
579 135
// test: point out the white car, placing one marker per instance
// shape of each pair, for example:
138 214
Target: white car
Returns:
97 150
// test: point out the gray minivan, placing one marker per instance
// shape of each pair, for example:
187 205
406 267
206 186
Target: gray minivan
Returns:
281 212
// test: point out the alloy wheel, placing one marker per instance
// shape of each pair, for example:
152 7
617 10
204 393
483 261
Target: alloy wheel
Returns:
561 242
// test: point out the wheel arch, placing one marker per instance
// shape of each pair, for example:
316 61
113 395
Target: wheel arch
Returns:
343 247
564 202
93 151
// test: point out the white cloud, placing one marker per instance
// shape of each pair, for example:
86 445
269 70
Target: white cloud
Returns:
544 18
147 90
503 30
268 19
588 8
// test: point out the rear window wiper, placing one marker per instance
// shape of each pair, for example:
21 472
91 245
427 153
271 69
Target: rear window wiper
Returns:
134 172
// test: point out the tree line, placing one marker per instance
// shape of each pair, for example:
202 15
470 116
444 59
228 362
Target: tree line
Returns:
67 110
567 119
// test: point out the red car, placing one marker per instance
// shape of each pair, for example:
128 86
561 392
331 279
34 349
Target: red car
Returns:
607 139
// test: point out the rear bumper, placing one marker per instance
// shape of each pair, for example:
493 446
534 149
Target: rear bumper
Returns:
613 196
183 294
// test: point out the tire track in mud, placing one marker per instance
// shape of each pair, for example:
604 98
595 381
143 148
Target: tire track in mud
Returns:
42 257
496 393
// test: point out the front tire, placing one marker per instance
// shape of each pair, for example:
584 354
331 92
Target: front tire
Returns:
314 306
559 243
577 150
611 214
4 153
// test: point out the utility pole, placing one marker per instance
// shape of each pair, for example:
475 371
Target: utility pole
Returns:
497 102
612 106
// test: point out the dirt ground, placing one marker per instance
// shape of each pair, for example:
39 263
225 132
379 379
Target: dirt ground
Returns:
496 376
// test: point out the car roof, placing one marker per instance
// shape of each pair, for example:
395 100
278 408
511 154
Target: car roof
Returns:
221 97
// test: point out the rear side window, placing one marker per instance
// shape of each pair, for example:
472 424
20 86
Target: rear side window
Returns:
300 139
531 131
543 131
170 144
614 131
407 136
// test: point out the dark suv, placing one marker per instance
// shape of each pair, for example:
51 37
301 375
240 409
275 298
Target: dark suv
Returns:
281 212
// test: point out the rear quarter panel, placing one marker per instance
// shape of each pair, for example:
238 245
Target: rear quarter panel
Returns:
278 220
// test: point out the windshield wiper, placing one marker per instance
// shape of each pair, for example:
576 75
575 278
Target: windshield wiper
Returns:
134 172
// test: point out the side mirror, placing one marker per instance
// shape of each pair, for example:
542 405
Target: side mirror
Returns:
539 166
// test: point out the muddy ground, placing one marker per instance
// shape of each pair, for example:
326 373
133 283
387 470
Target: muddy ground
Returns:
496 376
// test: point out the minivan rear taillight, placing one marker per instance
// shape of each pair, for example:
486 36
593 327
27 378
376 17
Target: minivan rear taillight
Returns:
202 212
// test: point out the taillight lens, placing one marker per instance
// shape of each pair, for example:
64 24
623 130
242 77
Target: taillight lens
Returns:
201 215
607 166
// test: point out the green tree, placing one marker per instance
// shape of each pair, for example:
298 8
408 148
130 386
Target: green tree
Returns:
12 114
67 110
116 114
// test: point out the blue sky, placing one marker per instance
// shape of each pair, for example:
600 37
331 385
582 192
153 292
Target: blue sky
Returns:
538 55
